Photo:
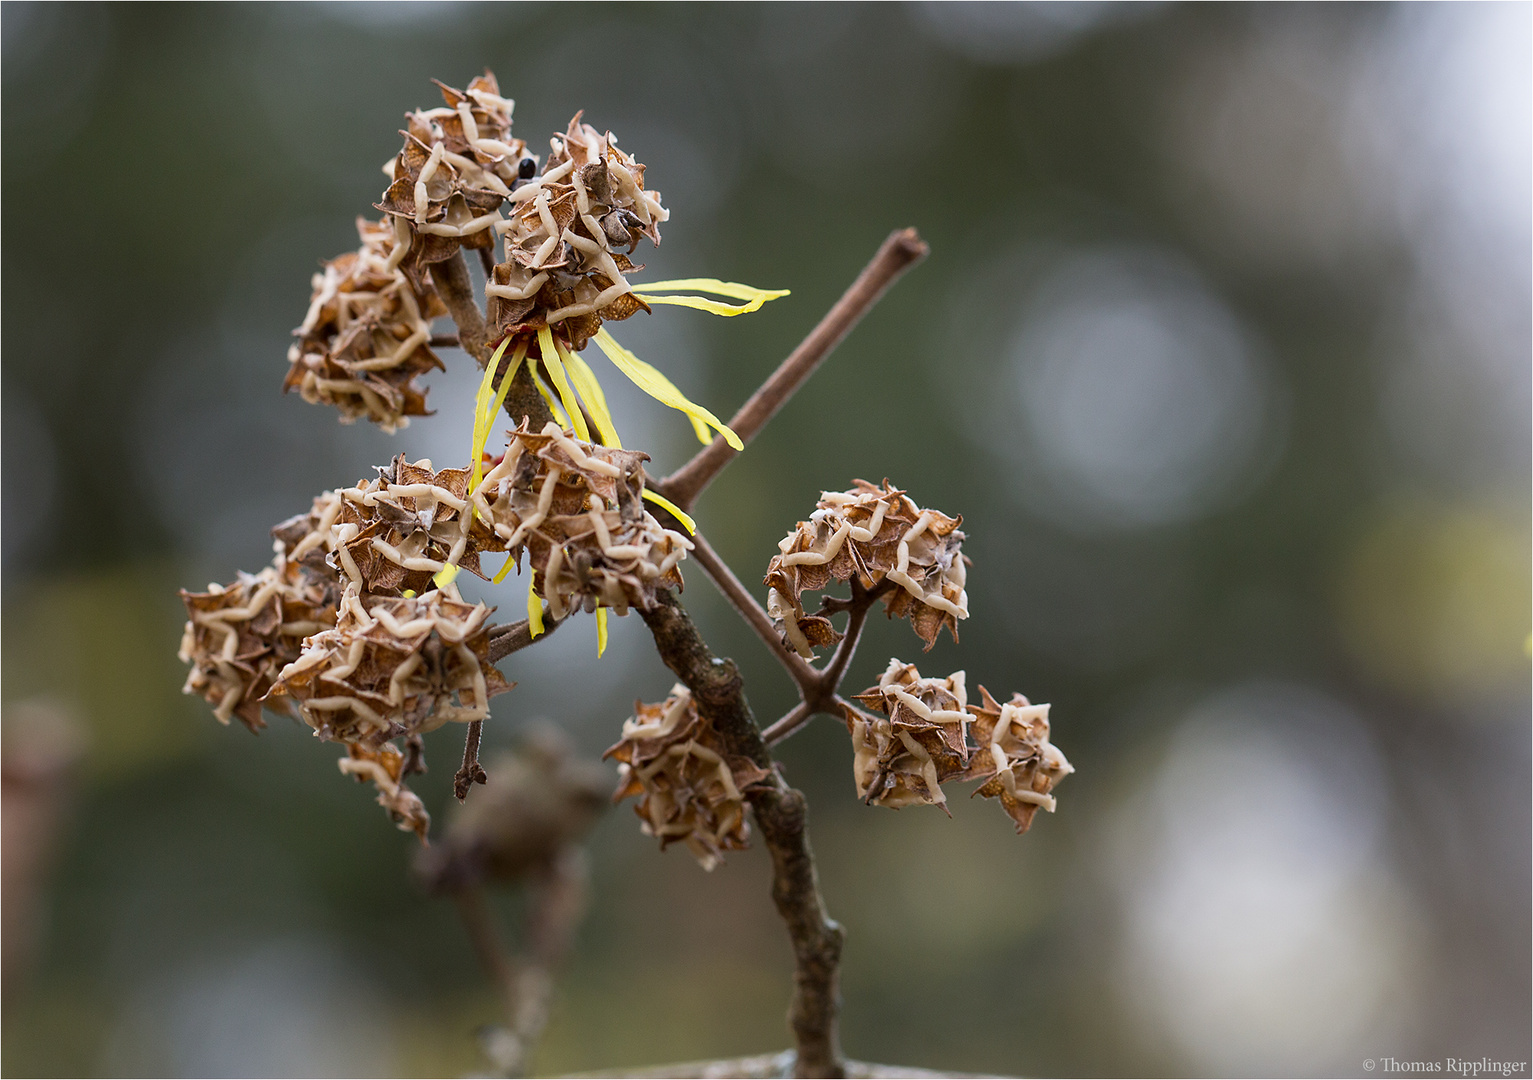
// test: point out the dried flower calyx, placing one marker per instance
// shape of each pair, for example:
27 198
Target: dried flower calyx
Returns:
919 737
394 666
883 538
1014 757
916 741
239 636
363 343
395 533
577 509
458 165
568 238
690 789
384 765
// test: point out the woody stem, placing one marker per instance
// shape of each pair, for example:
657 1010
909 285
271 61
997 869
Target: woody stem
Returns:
781 814
902 250
475 337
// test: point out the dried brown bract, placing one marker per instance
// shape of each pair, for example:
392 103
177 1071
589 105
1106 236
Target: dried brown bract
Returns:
384 766
239 636
1014 757
394 666
363 343
689 789
577 509
915 743
877 535
458 165
568 240
396 532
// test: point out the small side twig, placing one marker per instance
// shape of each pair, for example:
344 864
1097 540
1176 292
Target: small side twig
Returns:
514 637
472 772
749 610
902 250
443 341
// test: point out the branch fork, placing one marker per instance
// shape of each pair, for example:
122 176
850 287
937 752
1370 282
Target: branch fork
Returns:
780 811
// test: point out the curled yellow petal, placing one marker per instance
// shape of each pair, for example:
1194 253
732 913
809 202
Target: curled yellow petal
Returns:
500 575
551 401
555 369
677 512
481 426
445 576
660 388
732 289
601 631
591 393
534 607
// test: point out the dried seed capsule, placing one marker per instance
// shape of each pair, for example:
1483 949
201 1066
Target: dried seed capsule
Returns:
1014 757
915 741
577 510
690 789
363 343
395 533
393 666
882 538
384 766
239 636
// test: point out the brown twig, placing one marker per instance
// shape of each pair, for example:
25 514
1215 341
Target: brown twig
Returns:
900 252
472 772
443 341
781 813
514 637
456 289
415 757
749 610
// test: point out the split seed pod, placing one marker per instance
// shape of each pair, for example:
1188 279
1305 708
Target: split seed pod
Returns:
916 741
384 766
569 237
577 510
394 666
363 343
877 535
396 532
1014 757
690 789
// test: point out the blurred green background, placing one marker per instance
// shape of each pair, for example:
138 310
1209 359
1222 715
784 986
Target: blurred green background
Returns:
1222 351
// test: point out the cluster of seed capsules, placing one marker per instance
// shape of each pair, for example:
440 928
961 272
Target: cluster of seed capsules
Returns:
911 735
355 629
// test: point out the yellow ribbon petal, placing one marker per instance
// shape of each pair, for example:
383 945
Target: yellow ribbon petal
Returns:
555 369
481 399
500 575
732 289
677 512
753 296
551 401
534 607
660 388
444 577
601 631
591 393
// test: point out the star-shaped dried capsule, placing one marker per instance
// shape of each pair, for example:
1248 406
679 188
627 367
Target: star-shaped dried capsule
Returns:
384 766
239 636
915 739
395 533
568 240
577 510
880 537
394 666
364 341
458 165
689 788
1014 757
